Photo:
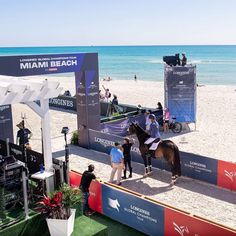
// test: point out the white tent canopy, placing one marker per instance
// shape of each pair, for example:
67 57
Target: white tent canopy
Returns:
14 90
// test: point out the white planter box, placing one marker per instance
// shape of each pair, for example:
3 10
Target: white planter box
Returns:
62 227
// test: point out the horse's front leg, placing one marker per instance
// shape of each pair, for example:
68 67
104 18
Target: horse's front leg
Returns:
150 165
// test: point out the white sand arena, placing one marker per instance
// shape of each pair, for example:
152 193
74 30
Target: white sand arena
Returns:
215 137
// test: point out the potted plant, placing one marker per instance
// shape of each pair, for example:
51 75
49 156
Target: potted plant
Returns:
57 208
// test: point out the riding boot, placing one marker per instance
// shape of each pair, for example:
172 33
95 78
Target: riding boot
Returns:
130 173
124 177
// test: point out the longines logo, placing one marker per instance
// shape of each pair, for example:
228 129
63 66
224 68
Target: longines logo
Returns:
135 149
104 142
230 175
181 73
2 108
113 203
181 229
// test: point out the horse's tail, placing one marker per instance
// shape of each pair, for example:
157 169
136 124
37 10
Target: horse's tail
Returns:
177 160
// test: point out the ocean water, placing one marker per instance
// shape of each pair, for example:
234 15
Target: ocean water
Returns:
215 64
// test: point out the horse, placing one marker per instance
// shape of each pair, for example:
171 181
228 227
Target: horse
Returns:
166 149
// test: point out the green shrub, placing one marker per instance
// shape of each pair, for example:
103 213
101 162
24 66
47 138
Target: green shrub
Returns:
75 138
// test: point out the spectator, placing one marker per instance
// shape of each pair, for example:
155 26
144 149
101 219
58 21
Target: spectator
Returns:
114 100
86 180
147 122
114 103
166 120
107 93
23 135
184 59
126 147
67 93
117 163
159 114
159 106
101 96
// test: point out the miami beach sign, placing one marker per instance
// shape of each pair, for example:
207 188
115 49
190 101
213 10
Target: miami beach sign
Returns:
42 64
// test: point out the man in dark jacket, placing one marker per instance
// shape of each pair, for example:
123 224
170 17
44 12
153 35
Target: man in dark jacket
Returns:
86 180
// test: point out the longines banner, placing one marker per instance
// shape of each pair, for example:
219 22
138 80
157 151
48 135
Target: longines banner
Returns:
226 175
199 167
40 64
6 127
180 92
85 66
146 216
120 127
180 224
133 211
62 102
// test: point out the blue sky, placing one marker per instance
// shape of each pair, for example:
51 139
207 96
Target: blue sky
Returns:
116 22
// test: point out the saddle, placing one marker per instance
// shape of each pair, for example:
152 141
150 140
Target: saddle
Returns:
153 146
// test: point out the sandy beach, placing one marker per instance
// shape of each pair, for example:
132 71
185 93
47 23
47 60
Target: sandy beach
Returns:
215 133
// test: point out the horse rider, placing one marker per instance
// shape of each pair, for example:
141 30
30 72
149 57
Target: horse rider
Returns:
155 134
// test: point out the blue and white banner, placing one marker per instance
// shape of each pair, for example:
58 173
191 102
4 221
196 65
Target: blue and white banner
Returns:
133 211
180 92
6 123
41 64
199 167
120 127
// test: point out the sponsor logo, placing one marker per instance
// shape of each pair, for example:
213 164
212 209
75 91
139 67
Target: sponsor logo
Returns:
181 229
93 93
50 63
113 203
198 167
60 102
104 142
135 149
105 130
2 108
81 94
230 175
181 73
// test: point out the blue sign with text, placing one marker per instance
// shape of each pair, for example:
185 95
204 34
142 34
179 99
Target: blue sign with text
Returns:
199 167
180 92
42 64
133 211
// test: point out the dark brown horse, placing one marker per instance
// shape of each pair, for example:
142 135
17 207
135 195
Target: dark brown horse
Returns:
166 149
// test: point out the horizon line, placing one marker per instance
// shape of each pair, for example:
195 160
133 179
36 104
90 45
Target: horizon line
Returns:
121 45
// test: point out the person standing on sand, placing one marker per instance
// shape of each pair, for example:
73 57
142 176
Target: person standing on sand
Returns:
117 163
184 60
126 147
107 93
166 120
135 78
23 135
147 120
